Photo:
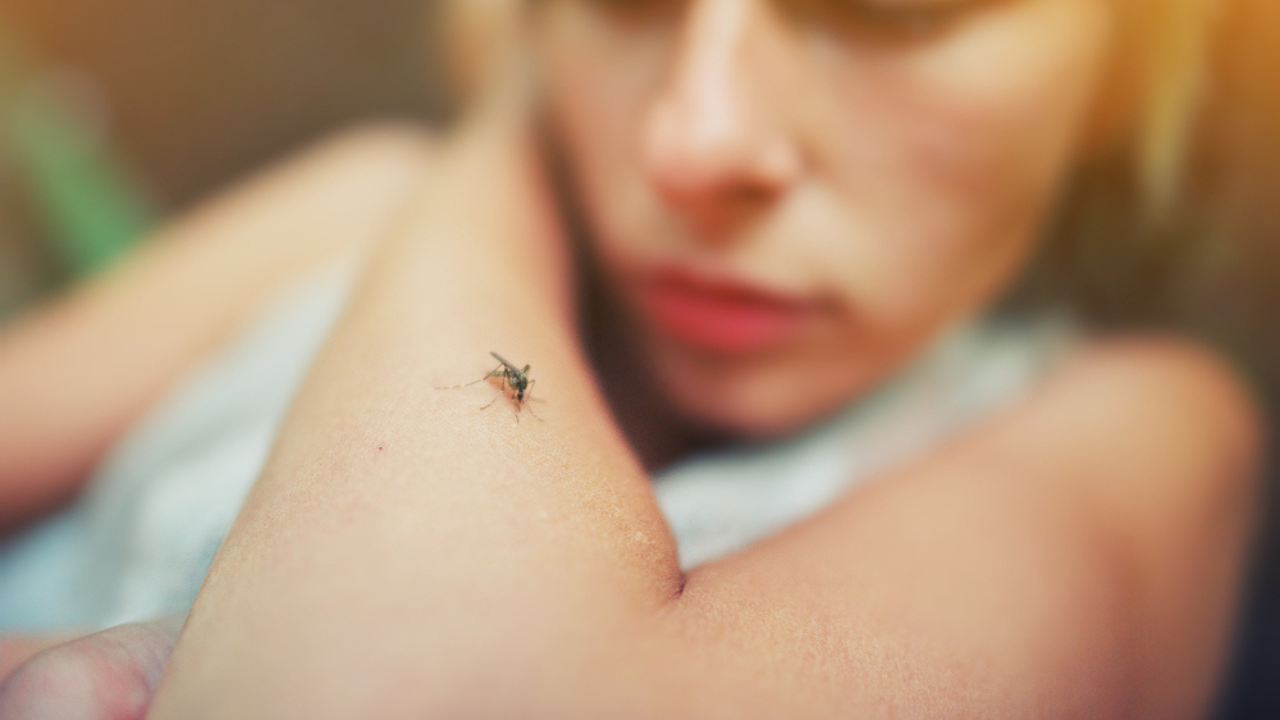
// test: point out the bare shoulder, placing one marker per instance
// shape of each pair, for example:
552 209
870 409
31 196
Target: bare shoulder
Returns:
1177 365
1153 386
375 155
326 197
387 142
1155 427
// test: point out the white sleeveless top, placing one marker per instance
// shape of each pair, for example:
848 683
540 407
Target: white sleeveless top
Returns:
138 542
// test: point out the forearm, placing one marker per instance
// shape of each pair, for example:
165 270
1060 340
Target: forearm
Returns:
403 543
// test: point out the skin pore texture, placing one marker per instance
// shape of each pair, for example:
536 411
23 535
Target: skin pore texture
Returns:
407 555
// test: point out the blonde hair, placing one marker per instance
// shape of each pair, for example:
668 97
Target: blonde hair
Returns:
1171 47
1135 216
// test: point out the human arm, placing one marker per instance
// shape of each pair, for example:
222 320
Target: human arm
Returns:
74 374
407 555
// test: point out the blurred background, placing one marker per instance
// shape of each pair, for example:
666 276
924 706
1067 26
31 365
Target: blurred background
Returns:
117 113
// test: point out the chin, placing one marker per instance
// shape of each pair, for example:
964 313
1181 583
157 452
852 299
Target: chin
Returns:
745 423
754 400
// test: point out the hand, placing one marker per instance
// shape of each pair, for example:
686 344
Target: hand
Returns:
110 675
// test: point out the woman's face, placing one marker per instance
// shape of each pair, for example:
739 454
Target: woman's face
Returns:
792 196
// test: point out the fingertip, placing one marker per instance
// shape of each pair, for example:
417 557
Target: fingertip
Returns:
55 684
111 675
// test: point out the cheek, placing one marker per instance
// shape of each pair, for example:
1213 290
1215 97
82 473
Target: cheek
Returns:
598 79
948 160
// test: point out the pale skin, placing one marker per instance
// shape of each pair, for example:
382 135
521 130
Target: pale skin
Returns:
406 555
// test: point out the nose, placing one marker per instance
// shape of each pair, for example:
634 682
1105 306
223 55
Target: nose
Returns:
716 143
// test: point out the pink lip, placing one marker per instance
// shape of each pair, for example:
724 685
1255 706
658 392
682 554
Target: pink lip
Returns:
720 315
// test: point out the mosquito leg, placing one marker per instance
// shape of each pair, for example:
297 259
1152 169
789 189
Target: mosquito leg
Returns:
495 373
528 397
506 378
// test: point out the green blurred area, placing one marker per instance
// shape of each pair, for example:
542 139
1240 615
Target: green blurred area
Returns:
116 114
92 205
80 199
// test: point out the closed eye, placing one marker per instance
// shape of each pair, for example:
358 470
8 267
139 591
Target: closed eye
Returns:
871 20
889 20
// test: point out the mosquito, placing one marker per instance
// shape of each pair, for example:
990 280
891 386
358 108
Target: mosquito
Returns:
515 378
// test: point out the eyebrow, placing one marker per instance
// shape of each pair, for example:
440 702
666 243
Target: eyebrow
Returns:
874 6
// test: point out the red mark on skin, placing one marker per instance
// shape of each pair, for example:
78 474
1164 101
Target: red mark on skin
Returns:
379 447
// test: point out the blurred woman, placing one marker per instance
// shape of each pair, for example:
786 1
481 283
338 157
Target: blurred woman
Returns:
798 218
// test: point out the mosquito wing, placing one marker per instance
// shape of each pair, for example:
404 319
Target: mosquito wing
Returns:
510 366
